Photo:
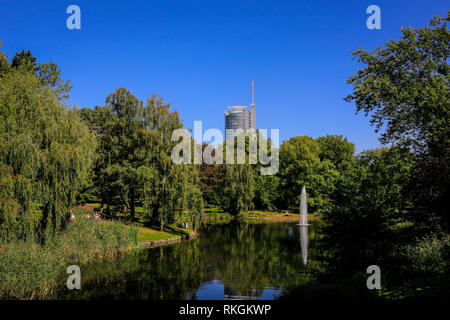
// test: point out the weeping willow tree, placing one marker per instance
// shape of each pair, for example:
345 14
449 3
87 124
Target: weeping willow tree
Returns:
45 156
237 188
173 187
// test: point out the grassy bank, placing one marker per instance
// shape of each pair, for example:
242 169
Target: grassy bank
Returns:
213 214
32 271
274 215
146 234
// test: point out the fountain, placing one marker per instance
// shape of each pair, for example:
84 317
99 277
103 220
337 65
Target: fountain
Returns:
304 225
303 208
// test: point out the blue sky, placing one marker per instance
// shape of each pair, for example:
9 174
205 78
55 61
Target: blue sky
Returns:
202 55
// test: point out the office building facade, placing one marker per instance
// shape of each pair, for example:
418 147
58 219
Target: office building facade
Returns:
240 117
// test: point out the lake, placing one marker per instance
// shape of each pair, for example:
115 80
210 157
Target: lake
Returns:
233 260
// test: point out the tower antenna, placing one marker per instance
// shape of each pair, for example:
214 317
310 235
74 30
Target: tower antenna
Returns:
252 108
253 93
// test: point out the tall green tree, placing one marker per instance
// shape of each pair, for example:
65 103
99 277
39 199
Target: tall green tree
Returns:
300 165
238 178
172 187
369 200
210 178
123 167
338 150
266 187
237 188
45 155
404 87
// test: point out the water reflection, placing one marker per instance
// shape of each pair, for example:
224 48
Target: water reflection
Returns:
304 243
230 261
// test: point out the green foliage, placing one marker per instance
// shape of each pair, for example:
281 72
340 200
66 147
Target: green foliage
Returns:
28 271
237 188
300 165
210 179
368 202
24 59
174 187
48 73
267 191
45 152
405 86
123 166
135 165
86 238
428 255
32 271
338 150
405 90
4 63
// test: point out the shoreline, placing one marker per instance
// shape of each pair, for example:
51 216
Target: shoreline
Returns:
163 242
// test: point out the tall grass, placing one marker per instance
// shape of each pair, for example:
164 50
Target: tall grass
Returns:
429 254
31 271
28 271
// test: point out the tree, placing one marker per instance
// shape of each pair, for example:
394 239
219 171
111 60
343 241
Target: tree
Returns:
172 187
25 59
45 155
237 185
237 188
300 165
338 150
95 119
123 168
368 202
210 178
404 88
266 187
267 191
50 77
48 73
4 63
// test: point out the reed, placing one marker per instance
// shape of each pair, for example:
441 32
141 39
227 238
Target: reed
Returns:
32 271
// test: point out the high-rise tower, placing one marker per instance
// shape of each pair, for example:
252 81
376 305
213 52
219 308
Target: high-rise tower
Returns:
240 117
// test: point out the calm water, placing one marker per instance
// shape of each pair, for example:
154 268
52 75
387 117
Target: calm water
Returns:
227 261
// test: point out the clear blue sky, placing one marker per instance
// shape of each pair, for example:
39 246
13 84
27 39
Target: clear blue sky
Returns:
202 55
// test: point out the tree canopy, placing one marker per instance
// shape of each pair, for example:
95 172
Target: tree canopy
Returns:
45 154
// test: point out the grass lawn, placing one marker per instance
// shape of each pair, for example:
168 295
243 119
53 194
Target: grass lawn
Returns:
147 234
276 215
152 233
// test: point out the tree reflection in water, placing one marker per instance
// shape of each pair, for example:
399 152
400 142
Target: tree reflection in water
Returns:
245 258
